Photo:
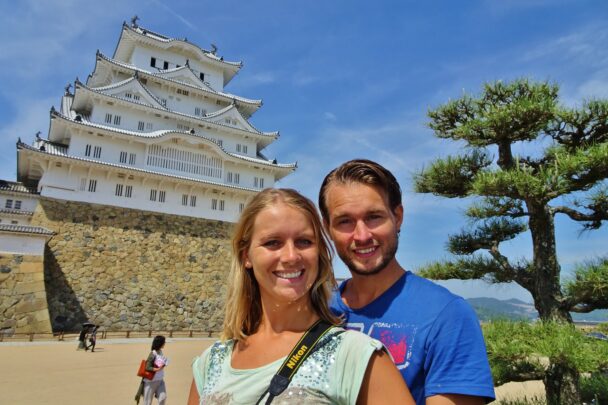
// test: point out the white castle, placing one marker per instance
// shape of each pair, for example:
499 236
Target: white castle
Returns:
152 129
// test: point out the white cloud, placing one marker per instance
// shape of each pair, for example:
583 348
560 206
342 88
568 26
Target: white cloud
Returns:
329 116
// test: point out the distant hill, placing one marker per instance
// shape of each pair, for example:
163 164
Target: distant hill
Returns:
491 308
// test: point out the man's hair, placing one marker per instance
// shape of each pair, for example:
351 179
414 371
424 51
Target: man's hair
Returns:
365 172
243 301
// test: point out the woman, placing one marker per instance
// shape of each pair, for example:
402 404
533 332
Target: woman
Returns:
279 284
156 362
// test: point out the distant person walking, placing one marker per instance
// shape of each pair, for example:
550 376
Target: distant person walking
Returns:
156 362
93 338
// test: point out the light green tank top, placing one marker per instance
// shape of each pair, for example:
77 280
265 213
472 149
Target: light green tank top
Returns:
331 375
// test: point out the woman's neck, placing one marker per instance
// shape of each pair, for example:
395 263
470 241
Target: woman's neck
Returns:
288 317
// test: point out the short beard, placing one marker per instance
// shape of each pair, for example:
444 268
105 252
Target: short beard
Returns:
386 259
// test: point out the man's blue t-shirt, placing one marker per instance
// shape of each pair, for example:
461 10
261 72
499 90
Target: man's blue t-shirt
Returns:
433 336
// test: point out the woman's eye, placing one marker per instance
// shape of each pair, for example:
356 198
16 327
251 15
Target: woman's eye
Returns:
304 243
271 243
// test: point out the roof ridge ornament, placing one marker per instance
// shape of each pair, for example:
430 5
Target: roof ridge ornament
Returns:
134 21
67 89
213 49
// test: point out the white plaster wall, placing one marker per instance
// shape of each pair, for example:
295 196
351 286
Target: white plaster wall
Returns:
140 198
27 203
23 244
141 58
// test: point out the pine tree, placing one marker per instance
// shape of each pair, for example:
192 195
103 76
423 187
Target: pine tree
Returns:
565 173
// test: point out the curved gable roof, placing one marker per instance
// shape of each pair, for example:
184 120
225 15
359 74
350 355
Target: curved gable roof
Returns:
139 34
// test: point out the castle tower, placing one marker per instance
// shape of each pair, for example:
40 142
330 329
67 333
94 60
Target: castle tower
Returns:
134 191
153 129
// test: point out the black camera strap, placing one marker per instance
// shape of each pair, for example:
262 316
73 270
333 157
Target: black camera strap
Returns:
300 352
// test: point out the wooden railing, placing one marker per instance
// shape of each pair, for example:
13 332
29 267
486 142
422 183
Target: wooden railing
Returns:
105 334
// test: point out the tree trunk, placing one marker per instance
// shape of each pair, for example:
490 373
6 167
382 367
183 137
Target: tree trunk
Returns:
561 381
547 290
562 385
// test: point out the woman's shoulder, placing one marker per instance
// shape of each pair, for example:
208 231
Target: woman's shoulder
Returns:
355 338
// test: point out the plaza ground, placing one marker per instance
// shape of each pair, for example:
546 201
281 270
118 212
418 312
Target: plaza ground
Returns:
56 373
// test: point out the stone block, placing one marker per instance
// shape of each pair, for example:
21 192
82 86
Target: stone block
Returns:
29 267
25 288
31 306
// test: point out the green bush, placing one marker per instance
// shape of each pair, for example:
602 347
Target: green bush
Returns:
595 387
527 401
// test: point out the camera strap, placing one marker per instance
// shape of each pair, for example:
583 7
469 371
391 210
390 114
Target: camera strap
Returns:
300 352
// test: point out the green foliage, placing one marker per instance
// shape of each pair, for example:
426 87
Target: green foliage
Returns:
589 288
527 401
509 112
468 268
486 236
491 207
452 176
603 327
520 351
595 387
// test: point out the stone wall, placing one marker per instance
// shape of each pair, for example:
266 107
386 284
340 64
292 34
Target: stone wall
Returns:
133 270
23 301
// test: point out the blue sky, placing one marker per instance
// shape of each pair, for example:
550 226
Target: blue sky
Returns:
339 80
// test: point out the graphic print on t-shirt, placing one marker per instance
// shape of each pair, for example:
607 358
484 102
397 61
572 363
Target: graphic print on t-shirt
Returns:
398 339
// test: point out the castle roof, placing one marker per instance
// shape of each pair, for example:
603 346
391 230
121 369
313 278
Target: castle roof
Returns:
16 187
80 104
130 35
104 65
28 229
44 147
57 148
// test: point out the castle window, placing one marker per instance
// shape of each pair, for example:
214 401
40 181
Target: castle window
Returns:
184 199
229 177
141 125
193 201
117 120
118 191
97 152
92 186
258 182
220 142
17 204
214 203
222 205
153 195
244 148
238 147
136 97
237 178
128 191
163 101
161 196
108 118
123 157
153 61
241 207
128 95
9 204
165 65
83 184
148 126
131 158
87 150
202 76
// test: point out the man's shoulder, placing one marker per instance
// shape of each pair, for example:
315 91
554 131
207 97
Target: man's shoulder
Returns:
426 290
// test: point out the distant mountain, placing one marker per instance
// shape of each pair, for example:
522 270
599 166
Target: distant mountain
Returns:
514 309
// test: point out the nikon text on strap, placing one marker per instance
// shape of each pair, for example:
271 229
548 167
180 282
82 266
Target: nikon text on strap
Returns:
305 346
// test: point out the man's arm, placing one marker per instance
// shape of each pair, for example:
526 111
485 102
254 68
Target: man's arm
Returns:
452 399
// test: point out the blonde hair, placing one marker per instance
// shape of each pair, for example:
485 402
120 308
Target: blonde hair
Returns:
243 302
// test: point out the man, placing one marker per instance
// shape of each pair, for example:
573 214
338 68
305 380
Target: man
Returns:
433 335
